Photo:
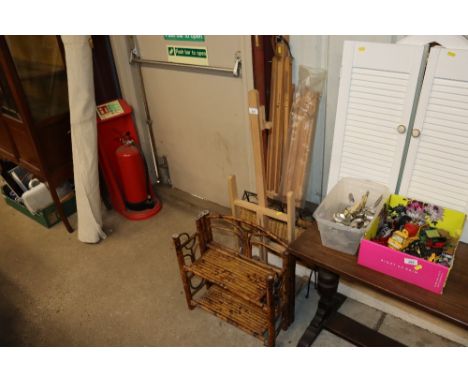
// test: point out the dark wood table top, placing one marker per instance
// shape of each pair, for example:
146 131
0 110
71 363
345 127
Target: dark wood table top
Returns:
451 305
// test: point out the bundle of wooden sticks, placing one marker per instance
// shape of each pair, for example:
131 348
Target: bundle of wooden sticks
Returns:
293 119
296 161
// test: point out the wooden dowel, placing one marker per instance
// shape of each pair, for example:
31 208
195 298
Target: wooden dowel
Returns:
256 134
232 189
286 106
278 121
291 223
271 138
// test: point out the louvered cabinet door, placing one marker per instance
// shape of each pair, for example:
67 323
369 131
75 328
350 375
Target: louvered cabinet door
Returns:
436 168
375 103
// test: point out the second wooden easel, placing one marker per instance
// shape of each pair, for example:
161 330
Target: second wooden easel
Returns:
280 106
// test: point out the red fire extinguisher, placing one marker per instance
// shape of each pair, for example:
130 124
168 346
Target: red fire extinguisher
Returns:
134 176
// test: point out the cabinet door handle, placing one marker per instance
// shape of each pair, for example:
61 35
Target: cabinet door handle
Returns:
401 129
416 133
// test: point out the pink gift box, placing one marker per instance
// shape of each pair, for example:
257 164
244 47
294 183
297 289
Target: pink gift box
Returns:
412 269
420 272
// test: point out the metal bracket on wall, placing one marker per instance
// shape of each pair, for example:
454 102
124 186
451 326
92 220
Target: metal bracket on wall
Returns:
235 71
164 175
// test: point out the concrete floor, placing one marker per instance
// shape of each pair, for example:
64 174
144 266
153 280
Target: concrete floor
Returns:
126 291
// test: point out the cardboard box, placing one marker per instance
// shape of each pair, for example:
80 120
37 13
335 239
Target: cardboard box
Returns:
412 269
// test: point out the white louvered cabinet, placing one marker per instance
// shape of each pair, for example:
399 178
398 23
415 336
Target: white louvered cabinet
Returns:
378 85
436 167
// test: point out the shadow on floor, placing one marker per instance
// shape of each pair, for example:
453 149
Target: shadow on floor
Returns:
11 319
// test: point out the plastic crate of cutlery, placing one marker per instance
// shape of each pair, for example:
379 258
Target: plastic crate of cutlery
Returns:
338 236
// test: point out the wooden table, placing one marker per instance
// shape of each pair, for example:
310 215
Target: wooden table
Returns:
452 305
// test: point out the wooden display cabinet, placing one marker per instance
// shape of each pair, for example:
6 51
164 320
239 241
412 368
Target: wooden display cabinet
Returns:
34 111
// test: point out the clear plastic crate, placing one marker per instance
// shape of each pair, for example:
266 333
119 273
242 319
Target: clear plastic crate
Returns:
338 236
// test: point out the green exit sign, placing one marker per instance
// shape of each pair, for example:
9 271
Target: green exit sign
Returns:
185 37
195 55
187 52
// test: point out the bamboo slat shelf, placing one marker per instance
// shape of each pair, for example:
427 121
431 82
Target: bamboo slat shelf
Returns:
234 274
233 279
235 310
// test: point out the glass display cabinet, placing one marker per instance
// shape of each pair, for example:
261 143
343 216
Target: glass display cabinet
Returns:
34 113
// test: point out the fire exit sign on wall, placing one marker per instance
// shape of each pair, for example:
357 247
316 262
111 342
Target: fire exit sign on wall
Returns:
185 37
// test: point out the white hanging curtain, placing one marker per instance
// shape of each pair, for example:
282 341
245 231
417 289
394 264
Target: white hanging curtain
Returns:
84 137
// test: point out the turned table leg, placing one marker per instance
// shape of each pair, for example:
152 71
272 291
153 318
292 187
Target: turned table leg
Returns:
291 291
329 303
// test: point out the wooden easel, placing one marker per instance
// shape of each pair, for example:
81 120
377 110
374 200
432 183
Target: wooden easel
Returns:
272 220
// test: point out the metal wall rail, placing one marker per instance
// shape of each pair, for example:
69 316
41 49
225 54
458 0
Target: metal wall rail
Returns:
235 71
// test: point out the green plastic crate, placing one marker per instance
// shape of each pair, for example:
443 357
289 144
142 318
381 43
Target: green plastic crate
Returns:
49 216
